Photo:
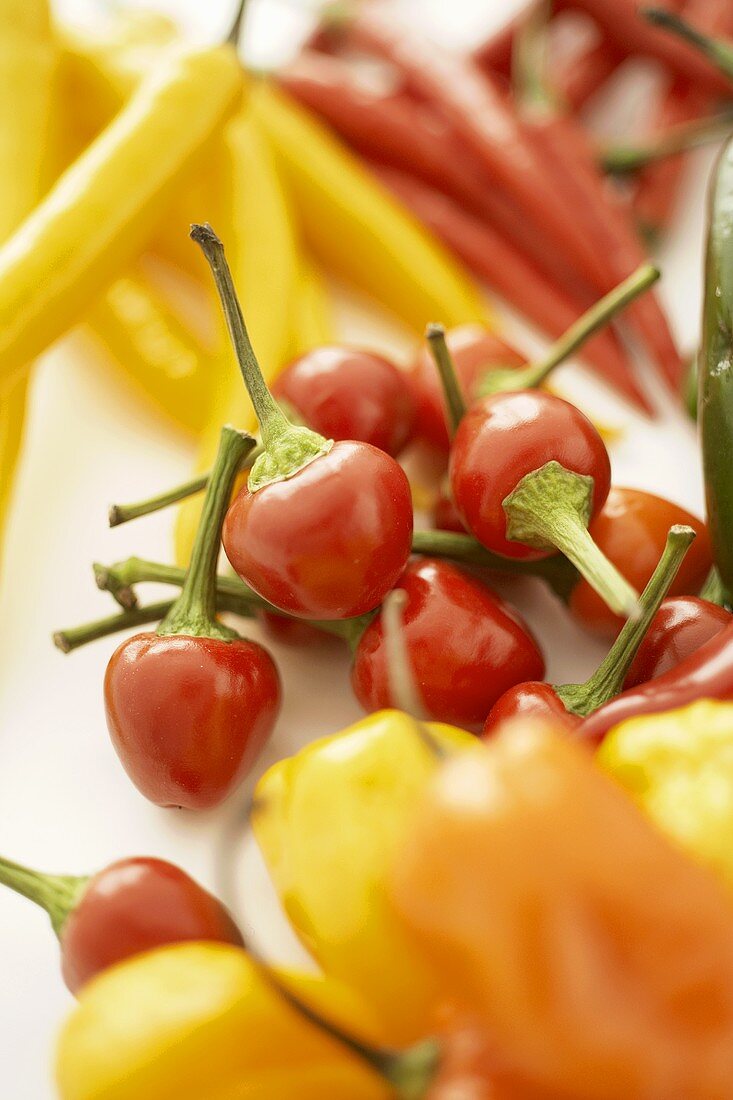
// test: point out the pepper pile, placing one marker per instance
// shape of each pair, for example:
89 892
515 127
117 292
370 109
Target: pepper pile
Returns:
497 909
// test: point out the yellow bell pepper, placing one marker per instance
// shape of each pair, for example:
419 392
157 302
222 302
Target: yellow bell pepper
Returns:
28 60
679 767
329 821
103 208
265 260
355 228
200 1022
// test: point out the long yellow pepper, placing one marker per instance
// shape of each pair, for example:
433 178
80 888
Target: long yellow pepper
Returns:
265 261
329 821
356 229
199 1022
27 70
100 212
312 319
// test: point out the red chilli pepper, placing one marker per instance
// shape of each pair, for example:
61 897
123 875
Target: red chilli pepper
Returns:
322 530
706 674
347 393
570 702
528 472
464 645
131 906
681 626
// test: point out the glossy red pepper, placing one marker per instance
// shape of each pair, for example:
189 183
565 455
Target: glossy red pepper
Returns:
322 530
528 471
568 704
348 393
189 707
465 646
445 517
131 906
681 626
705 674
631 529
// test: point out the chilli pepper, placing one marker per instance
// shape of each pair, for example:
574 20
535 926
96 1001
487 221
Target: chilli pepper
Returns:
631 529
570 164
330 872
313 322
677 766
715 406
190 706
680 627
705 674
99 213
464 646
568 704
129 907
595 955
528 472
300 533
348 393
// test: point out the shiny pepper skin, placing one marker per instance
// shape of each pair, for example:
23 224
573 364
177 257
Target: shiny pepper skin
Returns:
328 542
133 906
465 646
188 716
681 626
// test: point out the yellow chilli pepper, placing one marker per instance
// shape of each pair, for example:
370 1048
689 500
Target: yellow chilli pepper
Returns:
312 323
329 821
200 1022
102 209
679 767
265 260
356 229
27 70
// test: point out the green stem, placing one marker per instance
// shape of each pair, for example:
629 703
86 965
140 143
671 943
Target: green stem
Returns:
690 387
57 894
623 159
599 315
455 405
235 31
194 612
608 679
74 637
530 61
714 591
550 509
287 447
715 49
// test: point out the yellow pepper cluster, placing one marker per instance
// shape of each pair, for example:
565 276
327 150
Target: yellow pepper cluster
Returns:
117 143
507 900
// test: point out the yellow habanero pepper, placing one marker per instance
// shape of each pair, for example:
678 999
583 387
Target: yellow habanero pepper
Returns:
329 821
356 229
679 767
102 209
265 261
200 1022
27 66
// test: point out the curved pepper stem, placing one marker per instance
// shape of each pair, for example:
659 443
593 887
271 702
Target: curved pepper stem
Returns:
59 895
608 679
550 509
715 49
597 317
194 612
623 159
287 447
455 405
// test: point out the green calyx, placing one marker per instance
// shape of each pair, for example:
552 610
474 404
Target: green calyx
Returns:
194 612
411 1072
608 679
287 448
59 895
550 509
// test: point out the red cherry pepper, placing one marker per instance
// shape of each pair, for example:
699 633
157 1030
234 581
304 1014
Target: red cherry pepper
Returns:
131 906
464 645
528 472
681 626
190 707
347 393
705 674
631 529
445 517
322 530
568 703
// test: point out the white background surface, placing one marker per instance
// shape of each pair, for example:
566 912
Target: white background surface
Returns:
65 803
